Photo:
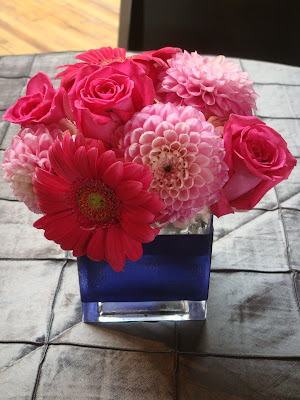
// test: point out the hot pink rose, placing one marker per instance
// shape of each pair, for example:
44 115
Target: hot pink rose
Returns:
258 159
102 99
41 105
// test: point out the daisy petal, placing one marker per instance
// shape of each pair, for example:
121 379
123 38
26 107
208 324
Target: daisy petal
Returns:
114 250
128 189
95 248
113 175
133 249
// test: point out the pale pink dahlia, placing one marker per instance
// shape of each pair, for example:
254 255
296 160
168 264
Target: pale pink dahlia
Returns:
95 204
213 86
29 149
184 153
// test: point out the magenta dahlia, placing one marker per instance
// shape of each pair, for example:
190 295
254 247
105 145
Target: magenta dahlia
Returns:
213 86
184 153
95 204
29 149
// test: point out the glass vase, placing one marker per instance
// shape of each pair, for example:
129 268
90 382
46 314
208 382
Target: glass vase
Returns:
168 283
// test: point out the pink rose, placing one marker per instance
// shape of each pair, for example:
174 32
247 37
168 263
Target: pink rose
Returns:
258 159
103 99
41 105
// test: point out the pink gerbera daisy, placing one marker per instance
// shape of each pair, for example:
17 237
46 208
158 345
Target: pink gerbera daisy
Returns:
29 149
185 155
215 86
95 204
152 62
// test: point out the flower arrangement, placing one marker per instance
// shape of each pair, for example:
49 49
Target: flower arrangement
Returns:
126 145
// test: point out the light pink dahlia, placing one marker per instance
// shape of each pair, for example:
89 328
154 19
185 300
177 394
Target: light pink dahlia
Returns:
213 86
184 153
29 149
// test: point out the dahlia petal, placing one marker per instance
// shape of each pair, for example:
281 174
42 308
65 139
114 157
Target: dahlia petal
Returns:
198 181
136 134
184 138
138 160
207 175
147 137
134 150
177 204
183 195
202 161
158 142
170 135
195 138
182 128
162 127
145 149
173 118
151 123
96 246
194 169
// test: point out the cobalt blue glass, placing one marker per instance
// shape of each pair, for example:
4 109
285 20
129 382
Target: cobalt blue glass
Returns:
169 282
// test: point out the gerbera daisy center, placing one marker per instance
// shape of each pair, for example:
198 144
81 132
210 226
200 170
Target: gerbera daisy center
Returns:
95 203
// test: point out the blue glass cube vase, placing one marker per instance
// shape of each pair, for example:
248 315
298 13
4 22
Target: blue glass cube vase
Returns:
168 283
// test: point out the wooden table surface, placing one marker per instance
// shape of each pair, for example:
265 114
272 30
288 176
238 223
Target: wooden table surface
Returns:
39 26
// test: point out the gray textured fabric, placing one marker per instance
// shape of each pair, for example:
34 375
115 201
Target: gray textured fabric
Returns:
249 347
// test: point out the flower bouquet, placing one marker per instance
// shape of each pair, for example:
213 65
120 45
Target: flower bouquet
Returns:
128 159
